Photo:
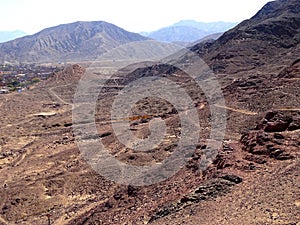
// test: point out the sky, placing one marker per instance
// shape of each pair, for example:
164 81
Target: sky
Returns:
32 16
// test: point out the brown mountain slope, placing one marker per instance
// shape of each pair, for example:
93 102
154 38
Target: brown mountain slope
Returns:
253 180
79 41
251 61
265 38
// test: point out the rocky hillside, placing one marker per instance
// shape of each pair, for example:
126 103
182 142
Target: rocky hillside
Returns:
267 37
79 41
254 178
257 63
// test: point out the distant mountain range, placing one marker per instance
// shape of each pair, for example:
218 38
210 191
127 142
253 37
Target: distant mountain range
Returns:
10 35
178 34
189 31
211 27
79 41
86 41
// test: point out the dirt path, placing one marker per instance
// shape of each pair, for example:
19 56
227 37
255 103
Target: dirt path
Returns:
288 109
3 221
56 96
17 123
5 100
285 93
62 221
291 79
243 111
18 161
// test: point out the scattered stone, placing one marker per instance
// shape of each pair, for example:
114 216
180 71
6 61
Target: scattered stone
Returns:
270 115
5 208
256 159
266 140
68 124
275 154
233 178
278 136
117 196
108 205
277 126
131 191
284 156
207 191
275 122
275 216
295 125
105 134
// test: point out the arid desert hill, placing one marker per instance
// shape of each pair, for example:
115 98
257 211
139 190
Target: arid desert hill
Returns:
74 42
254 179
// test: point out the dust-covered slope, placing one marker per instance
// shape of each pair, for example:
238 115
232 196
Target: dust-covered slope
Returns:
77 41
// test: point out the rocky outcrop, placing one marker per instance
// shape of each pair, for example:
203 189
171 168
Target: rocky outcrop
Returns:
275 136
207 191
275 122
292 71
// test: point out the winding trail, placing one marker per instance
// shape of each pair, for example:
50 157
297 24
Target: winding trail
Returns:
243 111
18 161
3 221
17 123
58 97
5 100
288 109
62 221
291 79
68 103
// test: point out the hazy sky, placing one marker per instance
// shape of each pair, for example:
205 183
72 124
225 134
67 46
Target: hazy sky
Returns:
32 16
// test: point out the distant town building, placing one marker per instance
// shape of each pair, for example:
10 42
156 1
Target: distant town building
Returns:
4 90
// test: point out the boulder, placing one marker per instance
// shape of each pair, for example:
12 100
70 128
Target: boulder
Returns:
272 136
278 126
